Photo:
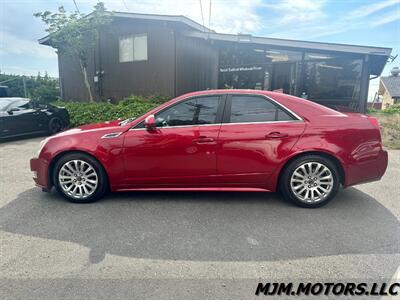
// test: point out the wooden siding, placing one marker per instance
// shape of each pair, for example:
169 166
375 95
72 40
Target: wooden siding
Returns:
71 78
153 76
197 65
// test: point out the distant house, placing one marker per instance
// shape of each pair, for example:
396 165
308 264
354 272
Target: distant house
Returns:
389 88
172 55
375 105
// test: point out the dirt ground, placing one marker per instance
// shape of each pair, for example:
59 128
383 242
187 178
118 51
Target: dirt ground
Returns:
390 129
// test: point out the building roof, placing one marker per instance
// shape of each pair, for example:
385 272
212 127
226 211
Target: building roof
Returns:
247 38
378 55
392 85
166 18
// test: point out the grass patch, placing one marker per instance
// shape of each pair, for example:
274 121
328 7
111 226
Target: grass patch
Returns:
390 128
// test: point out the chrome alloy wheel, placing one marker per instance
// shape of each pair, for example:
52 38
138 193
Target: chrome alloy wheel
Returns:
311 182
78 179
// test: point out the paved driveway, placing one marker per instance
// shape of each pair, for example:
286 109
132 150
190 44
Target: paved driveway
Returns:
180 245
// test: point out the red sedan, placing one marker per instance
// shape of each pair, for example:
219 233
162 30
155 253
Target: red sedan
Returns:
218 140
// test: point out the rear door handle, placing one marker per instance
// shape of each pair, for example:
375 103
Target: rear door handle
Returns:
276 135
203 140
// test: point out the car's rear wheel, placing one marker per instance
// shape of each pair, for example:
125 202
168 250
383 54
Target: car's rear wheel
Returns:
310 181
55 125
79 178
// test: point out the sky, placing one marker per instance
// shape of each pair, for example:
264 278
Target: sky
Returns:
359 22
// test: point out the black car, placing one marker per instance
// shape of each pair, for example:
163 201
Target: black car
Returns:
22 116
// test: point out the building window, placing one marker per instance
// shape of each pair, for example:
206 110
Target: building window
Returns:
260 68
332 77
133 48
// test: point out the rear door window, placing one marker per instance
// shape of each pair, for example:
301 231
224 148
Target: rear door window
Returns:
249 109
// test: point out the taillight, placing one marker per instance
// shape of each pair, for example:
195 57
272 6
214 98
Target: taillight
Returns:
374 122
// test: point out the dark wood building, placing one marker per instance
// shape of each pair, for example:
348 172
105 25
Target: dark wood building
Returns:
171 55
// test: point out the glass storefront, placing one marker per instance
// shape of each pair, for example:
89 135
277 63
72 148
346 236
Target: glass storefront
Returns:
313 75
259 68
332 77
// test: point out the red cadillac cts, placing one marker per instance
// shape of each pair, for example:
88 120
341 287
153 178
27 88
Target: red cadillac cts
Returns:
230 140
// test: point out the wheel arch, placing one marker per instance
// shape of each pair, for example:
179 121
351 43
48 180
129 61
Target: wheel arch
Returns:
331 157
63 153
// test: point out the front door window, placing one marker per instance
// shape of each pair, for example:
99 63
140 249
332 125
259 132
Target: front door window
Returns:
195 111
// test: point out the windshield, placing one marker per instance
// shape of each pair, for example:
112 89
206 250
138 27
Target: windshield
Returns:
4 102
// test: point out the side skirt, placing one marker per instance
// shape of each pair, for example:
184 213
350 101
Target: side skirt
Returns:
211 189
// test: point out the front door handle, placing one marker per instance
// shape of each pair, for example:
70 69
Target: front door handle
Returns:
203 140
276 135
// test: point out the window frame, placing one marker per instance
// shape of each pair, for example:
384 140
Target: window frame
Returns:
228 106
147 46
218 117
132 36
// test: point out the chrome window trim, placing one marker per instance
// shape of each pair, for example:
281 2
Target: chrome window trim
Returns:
298 118
264 122
269 99
222 124
285 108
180 126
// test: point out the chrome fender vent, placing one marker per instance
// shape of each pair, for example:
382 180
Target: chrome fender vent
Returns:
111 135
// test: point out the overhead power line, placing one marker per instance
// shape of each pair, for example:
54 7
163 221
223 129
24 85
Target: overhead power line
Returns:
209 16
202 16
76 6
126 6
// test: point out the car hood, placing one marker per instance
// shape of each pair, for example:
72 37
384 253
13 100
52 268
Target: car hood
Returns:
100 125
101 128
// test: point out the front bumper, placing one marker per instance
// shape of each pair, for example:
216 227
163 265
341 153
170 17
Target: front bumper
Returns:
369 170
40 168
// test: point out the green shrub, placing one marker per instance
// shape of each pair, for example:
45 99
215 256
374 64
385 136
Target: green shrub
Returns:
92 112
394 109
372 110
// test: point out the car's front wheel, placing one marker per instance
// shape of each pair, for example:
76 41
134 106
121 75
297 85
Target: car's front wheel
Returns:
79 178
310 181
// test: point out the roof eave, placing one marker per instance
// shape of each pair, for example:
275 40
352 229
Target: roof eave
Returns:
170 18
380 51
44 40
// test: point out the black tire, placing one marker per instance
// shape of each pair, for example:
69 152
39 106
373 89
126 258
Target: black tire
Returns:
102 182
55 125
288 192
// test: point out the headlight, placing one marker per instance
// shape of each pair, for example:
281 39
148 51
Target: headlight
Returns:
41 145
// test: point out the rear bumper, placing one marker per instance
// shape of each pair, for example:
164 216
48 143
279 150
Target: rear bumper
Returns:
39 167
369 170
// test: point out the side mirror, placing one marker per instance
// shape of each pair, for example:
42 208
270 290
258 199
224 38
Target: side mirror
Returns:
150 122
